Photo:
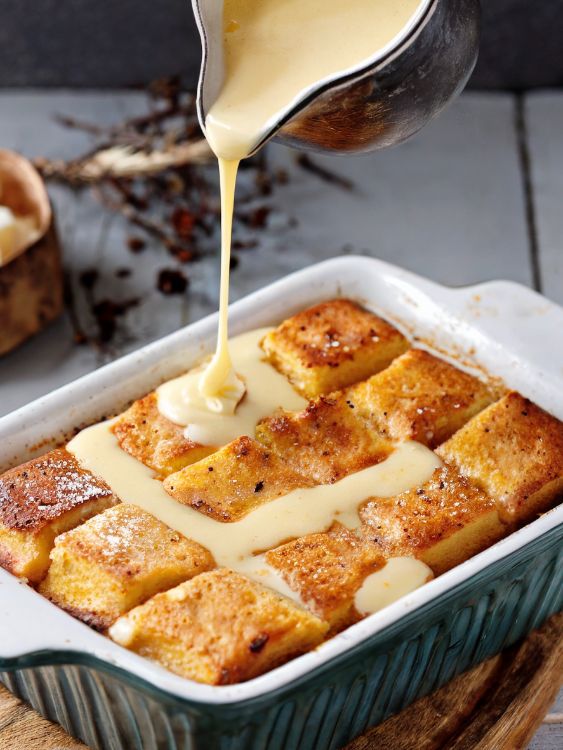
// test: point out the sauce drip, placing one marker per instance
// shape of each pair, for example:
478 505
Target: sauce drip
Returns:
181 401
219 385
273 51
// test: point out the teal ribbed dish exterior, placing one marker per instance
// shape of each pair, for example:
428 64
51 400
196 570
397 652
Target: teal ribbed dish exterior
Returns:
108 708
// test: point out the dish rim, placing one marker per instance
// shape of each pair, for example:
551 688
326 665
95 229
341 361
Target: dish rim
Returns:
56 637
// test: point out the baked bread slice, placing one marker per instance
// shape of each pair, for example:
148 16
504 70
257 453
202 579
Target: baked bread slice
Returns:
419 397
234 481
116 561
514 451
326 441
40 499
332 345
442 523
154 440
326 570
219 628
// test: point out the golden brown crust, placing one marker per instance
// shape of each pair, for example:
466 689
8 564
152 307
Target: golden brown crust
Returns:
154 440
42 490
326 570
326 441
419 397
219 628
8 560
332 345
40 499
234 481
116 561
514 450
443 522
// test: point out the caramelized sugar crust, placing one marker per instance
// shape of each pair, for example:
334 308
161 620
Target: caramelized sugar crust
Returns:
326 441
443 522
326 570
332 345
234 481
514 451
117 560
42 490
40 499
419 397
154 440
219 628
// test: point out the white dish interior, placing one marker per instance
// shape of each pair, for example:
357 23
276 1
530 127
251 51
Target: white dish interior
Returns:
501 327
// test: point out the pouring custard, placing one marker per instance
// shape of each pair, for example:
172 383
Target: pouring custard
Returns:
273 51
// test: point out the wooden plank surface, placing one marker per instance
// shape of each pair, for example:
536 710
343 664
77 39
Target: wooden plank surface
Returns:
496 706
544 115
448 204
453 204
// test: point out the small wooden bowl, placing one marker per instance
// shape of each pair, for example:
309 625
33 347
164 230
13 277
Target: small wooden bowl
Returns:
31 281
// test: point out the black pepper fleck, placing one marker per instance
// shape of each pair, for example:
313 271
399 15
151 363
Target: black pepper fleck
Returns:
258 643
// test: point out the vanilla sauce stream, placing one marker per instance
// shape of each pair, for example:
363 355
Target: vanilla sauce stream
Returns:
274 50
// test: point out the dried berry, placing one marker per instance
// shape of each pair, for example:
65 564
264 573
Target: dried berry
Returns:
183 222
89 278
136 244
258 218
107 312
171 281
181 253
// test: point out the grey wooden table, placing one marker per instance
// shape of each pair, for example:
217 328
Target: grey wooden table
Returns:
478 195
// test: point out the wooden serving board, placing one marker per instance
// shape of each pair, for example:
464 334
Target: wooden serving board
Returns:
496 706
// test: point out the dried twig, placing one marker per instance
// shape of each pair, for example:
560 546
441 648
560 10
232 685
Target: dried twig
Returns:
73 123
123 161
306 163
151 169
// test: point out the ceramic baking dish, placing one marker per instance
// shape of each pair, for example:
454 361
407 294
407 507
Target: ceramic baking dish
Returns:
111 698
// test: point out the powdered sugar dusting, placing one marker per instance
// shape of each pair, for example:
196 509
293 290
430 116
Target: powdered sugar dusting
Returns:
45 488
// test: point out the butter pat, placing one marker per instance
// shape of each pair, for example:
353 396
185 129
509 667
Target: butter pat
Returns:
8 235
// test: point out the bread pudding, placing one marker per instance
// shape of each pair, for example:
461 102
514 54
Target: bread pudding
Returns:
221 559
40 500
